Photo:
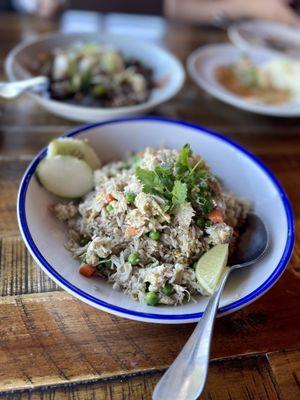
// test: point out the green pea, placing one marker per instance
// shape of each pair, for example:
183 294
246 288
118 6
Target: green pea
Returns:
129 196
109 207
83 242
126 165
152 298
154 235
200 222
133 258
100 90
108 263
168 289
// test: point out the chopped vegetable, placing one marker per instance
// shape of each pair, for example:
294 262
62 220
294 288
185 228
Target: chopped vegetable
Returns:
152 298
83 242
108 263
87 270
133 258
201 222
131 231
129 197
126 166
179 193
168 289
154 235
109 207
216 216
109 197
100 90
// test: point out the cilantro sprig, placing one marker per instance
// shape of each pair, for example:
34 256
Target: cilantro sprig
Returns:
179 183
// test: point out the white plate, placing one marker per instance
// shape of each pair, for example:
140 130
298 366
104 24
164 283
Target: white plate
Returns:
256 35
240 172
166 68
203 63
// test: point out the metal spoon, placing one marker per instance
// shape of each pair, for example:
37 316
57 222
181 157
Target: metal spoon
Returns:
9 90
185 379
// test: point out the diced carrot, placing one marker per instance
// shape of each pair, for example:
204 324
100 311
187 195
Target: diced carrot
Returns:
216 216
109 197
87 270
131 231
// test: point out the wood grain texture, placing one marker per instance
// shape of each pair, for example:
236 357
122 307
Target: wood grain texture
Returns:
19 274
286 369
53 338
10 175
223 384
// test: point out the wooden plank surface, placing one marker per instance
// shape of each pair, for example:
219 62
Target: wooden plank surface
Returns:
53 346
53 338
223 383
285 366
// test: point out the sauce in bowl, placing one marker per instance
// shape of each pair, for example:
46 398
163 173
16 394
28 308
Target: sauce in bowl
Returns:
227 77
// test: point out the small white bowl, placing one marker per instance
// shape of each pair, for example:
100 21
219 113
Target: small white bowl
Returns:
168 72
240 172
203 63
249 36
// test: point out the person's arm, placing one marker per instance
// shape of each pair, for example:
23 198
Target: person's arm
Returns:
212 10
42 8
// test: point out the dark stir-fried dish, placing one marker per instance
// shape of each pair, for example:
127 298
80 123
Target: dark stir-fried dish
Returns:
97 75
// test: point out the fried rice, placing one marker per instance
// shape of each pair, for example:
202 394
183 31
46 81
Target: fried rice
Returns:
107 226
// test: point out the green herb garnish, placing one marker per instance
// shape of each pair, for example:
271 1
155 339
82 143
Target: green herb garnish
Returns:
180 183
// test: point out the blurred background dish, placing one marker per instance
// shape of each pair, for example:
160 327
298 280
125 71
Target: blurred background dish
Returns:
254 81
165 73
274 38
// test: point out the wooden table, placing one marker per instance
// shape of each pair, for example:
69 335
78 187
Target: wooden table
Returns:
53 346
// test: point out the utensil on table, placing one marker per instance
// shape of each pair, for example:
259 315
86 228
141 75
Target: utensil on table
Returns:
185 379
9 90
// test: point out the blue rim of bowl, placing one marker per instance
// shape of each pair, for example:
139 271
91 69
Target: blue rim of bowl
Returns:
85 296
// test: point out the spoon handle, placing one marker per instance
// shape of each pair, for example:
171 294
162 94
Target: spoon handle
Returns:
10 90
185 379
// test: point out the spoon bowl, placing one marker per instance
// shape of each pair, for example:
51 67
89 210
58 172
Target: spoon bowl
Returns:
252 244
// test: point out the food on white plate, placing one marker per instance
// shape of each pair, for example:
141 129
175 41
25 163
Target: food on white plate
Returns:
273 82
211 267
94 74
147 222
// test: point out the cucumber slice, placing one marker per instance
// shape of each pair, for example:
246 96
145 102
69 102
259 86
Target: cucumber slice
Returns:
65 176
76 148
211 267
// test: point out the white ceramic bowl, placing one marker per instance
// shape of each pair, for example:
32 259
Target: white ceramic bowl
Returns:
167 70
202 65
255 35
240 172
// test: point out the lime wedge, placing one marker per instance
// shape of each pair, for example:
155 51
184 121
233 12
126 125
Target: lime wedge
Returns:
210 268
74 147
